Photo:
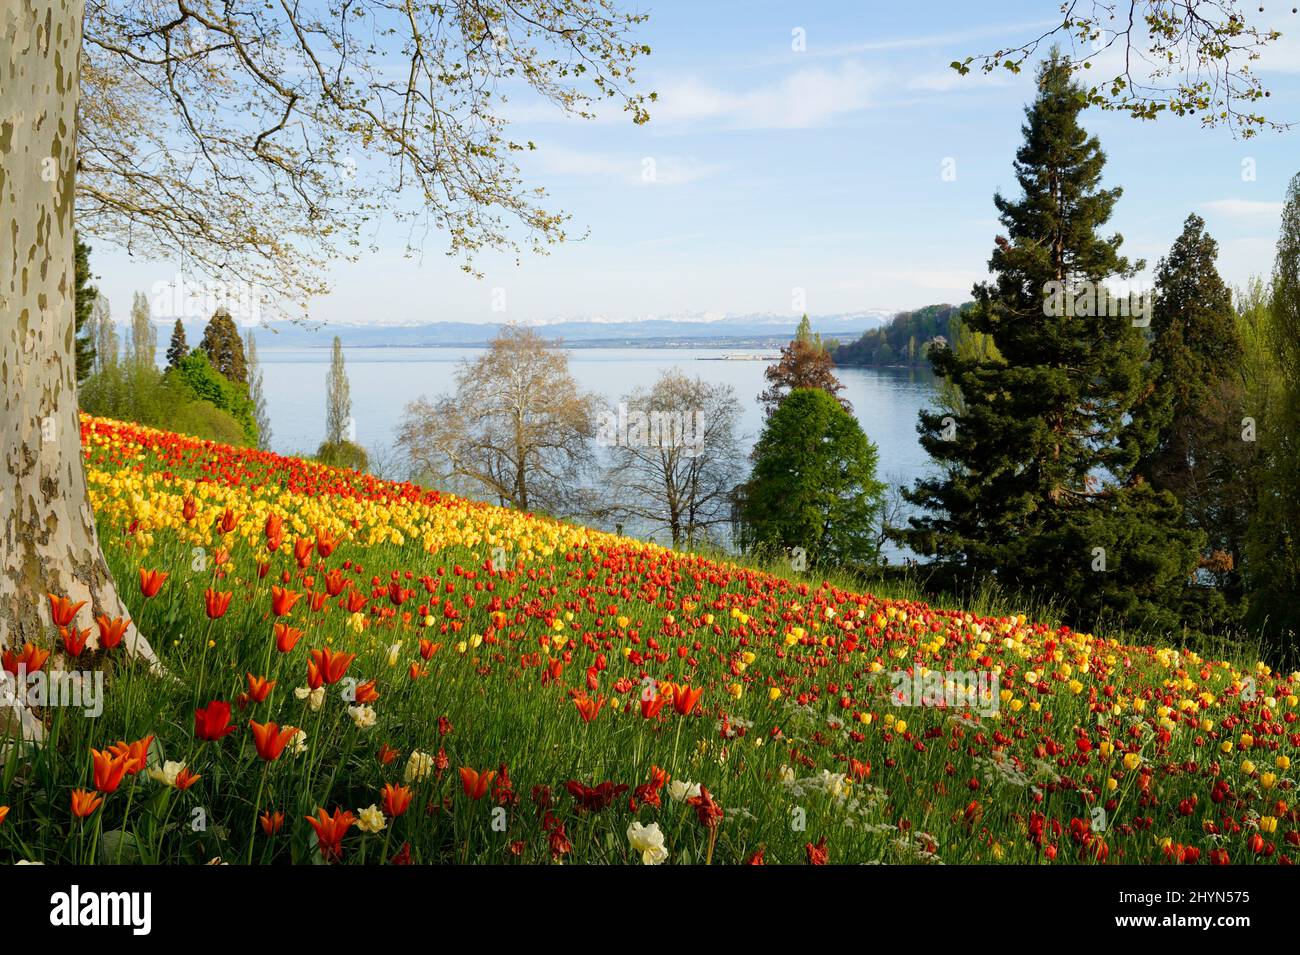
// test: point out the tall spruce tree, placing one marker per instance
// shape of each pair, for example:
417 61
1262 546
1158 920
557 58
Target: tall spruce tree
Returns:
177 348
1197 408
1037 486
84 310
224 348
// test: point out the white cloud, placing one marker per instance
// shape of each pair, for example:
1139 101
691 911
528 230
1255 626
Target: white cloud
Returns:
1243 208
803 99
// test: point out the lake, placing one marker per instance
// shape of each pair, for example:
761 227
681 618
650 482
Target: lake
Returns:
885 401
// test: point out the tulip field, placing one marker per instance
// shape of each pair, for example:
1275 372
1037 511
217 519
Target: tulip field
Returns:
357 671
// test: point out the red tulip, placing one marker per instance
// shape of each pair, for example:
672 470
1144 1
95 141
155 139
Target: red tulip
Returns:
213 721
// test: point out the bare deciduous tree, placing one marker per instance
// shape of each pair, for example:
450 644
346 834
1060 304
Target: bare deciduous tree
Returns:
675 456
517 427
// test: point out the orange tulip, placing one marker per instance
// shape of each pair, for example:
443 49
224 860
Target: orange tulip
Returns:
387 754
189 508
272 822
270 740
325 543
30 660
151 581
282 600
228 521
685 698
475 783
331 666
588 708
111 631
331 830
109 770
397 799
216 603
286 637
135 754
4 811
62 610
428 648
259 687
185 779
366 693
74 640
417 672
84 803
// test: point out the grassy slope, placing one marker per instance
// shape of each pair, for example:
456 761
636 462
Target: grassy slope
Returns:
482 665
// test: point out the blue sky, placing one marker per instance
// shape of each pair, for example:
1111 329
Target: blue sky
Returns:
819 170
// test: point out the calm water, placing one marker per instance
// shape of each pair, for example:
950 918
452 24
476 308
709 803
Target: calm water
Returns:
383 380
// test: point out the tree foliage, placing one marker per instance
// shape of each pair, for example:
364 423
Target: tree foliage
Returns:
813 485
1182 57
675 456
257 139
224 348
1037 483
517 428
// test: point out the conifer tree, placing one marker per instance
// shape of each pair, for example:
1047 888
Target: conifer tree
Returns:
803 363
1037 485
177 348
1198 453
224 347
814 484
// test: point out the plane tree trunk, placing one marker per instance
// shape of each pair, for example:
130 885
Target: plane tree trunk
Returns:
48 542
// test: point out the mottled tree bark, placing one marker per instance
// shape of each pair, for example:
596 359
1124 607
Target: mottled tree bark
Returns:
48 542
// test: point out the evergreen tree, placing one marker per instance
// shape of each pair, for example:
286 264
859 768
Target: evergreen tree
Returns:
256 394
1273 546
177 348
803 363
1037 485
338 399
814 484
224 348
84 309
144 337
1197 407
